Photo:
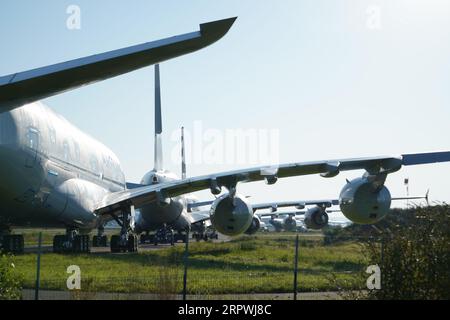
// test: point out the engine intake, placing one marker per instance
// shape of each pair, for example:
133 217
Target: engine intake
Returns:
231 216
316 218
290 224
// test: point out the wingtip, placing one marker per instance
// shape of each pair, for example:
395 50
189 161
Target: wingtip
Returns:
218 28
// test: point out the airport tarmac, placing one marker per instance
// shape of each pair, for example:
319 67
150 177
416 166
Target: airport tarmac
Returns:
103 250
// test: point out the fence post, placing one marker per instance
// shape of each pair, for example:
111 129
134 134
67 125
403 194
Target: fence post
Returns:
186 255
296 267
38 268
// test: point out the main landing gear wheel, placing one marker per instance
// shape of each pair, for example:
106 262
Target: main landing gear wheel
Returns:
130 246
13 243
100 241
71 244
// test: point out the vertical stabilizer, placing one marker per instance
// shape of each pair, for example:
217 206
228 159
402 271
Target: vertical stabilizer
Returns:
158 122
183 156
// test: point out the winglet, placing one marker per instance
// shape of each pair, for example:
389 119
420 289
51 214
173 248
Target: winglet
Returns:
217 29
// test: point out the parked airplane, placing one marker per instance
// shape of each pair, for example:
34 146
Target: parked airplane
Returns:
184 214
54 175
314 218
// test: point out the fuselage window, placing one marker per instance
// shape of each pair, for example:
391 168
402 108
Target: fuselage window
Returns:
66 151
94 165
52 134
76 149
33 139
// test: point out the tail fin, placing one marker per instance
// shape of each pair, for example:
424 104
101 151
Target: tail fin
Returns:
183 156
158 122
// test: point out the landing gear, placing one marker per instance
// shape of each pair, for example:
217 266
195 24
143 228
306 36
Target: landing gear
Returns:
164 235
12 243
117 244
180 237
146 238
126 241
71 242
208 235
100 240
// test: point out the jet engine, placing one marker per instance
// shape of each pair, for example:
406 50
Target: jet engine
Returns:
290 224
316 218
363 202
231 216
254 226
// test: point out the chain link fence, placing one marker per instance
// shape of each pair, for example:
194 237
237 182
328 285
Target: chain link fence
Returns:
239 269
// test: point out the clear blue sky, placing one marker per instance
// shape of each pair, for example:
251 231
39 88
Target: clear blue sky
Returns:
315 70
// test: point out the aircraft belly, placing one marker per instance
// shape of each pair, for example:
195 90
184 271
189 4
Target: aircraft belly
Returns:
154 216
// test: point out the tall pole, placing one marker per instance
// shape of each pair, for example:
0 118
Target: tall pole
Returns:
296 267
38 268
407 192
186 256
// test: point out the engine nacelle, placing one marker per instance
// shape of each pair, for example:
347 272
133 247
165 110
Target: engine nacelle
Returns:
254 226
290 224
231 216
361 203
316 218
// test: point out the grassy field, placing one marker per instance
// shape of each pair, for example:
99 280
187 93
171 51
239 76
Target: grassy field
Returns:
251 264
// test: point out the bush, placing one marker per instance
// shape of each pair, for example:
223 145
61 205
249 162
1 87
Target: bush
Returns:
10 280
413 254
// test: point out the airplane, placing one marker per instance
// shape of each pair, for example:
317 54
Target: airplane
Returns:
54 175
151 218
314 218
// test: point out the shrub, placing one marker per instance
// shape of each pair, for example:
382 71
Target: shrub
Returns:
10 280
414 255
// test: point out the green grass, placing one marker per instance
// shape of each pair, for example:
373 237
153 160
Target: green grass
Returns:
256 264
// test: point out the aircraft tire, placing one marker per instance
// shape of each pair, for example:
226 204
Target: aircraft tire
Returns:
13 243
115 240
132 244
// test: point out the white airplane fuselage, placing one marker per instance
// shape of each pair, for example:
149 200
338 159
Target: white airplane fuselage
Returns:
52 174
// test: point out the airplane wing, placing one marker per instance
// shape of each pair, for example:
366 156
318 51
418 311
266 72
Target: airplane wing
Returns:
292 213
25 87
161 192
300 204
